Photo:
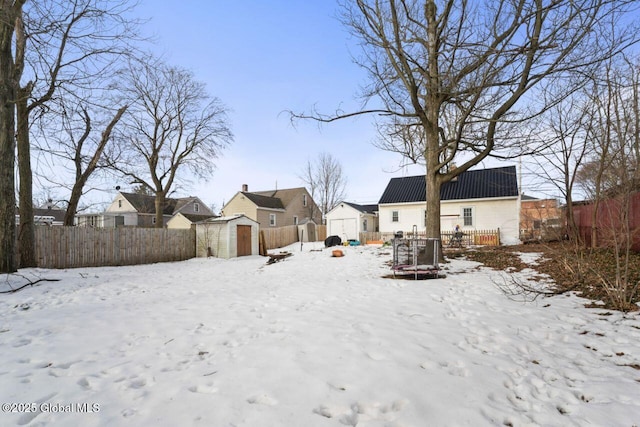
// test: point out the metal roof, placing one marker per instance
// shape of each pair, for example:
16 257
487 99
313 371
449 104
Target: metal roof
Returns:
471 184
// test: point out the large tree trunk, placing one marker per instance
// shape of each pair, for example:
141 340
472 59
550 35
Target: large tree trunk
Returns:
7 142
433 205
72 208
160 200
429 121
26 236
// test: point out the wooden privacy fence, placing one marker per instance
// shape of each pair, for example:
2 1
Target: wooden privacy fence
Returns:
272 238
470 237
321 232
71 247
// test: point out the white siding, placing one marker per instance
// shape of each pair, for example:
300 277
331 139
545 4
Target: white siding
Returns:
221 236
344 221
488 214
212 235
409 214
346 228
125 205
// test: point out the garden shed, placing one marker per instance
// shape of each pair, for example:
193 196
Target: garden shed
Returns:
227 237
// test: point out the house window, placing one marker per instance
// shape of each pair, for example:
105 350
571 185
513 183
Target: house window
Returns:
295 220
272 220
196 207
395 216
120 203
153 220
424 218
467 216
304 200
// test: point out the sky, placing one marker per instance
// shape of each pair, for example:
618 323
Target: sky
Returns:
312 340
265 58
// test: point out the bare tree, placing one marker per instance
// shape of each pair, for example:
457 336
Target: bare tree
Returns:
326 182
60 45
71 141
563 132
459 74
609 142
9 14
613 166
172 124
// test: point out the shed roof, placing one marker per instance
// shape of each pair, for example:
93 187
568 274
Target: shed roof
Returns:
472 184
196 217
223 219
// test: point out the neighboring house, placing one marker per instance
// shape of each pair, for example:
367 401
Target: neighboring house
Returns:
347 220
274 208
484 199
227 237
45 216
540 219
139 210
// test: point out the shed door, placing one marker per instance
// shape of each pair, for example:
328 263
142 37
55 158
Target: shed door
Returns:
244 240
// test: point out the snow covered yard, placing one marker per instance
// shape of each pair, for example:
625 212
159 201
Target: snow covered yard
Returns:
309 341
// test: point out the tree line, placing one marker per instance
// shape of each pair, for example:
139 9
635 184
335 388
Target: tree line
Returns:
81 96
555 83
450 82
455 82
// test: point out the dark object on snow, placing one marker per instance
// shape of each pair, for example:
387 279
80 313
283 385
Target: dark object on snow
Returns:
332 241
277 257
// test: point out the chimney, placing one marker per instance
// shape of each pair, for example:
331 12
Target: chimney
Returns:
245 187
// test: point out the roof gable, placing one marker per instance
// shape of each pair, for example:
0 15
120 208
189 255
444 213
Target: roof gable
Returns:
286 195
472 184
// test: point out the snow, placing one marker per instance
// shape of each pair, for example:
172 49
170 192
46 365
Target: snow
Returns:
312 340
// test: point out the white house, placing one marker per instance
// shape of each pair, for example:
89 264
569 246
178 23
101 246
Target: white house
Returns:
139 210
347 220
484 199
227 237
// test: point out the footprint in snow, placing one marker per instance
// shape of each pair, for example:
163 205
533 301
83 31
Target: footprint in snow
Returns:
262 399
457 369
204 389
